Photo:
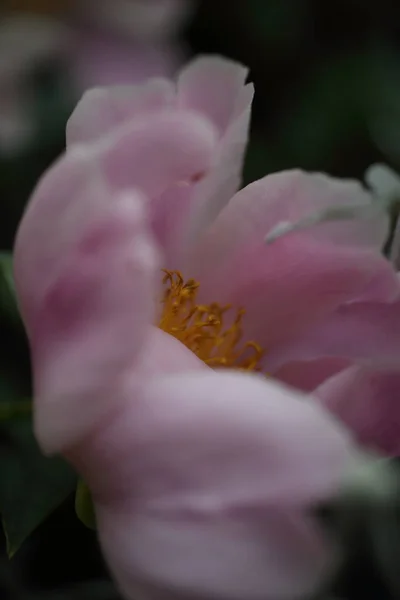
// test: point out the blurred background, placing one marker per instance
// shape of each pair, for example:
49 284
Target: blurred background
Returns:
327 79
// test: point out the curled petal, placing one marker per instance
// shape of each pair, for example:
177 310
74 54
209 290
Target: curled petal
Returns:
102 109
288 197
367 401
91 323
151 155
221 469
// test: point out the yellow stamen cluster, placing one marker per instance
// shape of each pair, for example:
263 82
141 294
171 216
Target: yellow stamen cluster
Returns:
201 327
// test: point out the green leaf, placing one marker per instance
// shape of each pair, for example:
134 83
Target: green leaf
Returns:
8 302
84 505
31 485
18 409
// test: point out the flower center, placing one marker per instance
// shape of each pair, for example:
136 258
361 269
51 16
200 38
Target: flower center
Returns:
201 327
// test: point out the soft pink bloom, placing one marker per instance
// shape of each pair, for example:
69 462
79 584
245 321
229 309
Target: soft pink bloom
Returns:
125 41
203 480
25 43
97 42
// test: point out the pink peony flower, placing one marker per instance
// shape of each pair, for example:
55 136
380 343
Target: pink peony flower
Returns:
102 42
125 41
203 470
25 43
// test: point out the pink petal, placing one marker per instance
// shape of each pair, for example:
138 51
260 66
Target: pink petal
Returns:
288 287
367 402
367 333
183 214
103 109
221 469
207 441
272 556
215 191
71 193
287 197
152 154
157 151
211 85
180 214
307 375
143 20
163 354
104 59
92 324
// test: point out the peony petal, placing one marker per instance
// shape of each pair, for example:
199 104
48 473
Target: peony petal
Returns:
289 286
92 323
307 375
216 190
139 19
272 556
164 354
101 59
367 401
201 483
73 191
368 333
157 151
209 441
288 197
103 109
211 85
182 214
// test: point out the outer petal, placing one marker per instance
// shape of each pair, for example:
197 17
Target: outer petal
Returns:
306 375
368 402
182 212
198 472
151 155
92 323
156 152
101 59
211 85
301 278
367 333
141 19
272 556
289 196
289 287
103 109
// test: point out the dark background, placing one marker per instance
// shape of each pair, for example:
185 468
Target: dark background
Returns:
327 79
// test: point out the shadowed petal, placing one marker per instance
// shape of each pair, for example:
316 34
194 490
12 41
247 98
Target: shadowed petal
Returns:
367 402
221 469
